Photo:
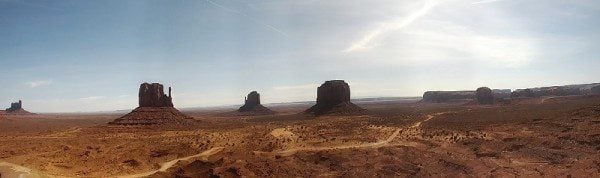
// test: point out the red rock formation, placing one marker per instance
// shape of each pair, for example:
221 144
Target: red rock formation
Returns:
16 109
565 90
446 96
152 95
15 106
252 105
333 97
152 116
252 100
154 108
484 95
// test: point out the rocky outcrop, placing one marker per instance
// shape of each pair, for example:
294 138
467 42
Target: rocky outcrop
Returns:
333 98
153 95
251 101
522 93
333 92
16 108
154 108
252 105
484 95
447 96
153 116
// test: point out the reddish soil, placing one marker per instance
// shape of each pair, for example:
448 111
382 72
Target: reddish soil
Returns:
16 112
154 115
556 137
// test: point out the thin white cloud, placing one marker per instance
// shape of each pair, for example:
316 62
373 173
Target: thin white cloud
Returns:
92 98
486 1
297 87
39 83
448 39
437 40
366 42
271 27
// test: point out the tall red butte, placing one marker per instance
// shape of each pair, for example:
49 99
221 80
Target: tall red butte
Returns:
333 98
154 108
252 106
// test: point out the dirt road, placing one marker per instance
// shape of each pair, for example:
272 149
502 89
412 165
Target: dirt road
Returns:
164 166
13 170
378 144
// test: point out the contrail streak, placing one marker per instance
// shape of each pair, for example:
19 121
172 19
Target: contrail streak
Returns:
387 27
249 17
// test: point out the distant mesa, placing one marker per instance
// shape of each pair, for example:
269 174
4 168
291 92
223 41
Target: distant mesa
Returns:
333 98
595 90
565 90
462 95
557 91
458 96
519 93
484 95
252 105
154 108
501 93
505 96
447 96
16 108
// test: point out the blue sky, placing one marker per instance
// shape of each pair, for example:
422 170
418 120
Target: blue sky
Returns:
72 55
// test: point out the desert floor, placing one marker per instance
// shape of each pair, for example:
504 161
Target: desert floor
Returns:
547 137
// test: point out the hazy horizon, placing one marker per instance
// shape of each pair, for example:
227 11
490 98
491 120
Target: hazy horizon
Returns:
82 56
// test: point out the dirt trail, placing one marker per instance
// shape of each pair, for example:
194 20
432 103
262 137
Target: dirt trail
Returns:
418 124
14 170
543 100
546 98
292 151
378 144
164 166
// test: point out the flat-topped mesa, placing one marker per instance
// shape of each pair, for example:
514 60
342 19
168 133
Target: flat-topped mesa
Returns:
522 93
333 97
464 95
501 93
595 90
447 96
333 92
565 90
252 105
484 95
154 108
153 95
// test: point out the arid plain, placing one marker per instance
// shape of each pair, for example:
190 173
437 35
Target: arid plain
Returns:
548 136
